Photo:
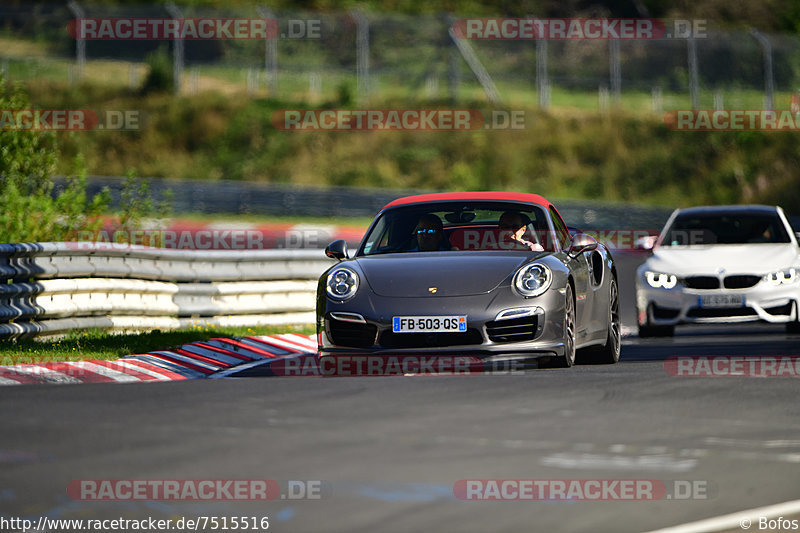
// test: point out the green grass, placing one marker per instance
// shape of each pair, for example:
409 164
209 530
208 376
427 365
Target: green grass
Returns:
96 344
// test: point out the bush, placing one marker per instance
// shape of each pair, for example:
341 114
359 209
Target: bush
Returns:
160 74
32 209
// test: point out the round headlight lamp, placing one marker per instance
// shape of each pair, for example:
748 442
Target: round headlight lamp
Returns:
533 279
342 283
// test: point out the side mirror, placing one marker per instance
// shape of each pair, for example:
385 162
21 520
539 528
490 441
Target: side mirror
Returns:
337 250
582 242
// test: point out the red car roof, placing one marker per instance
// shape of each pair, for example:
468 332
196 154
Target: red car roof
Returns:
444 196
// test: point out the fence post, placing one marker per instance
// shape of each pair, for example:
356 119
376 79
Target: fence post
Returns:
766 48
657 100
453 71
694 81
362 55
80 44
177 51
477 68
602 99
615 69
542 81
270 54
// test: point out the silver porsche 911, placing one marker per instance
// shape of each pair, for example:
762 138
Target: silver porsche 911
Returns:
493 275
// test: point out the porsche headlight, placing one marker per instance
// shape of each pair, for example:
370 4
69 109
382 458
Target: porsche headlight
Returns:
782 276
533 279
659 280
342 283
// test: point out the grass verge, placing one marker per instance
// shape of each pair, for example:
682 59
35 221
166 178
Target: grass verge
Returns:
97 344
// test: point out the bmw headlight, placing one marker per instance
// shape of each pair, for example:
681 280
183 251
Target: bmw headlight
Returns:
782 276
659 280
533 279
342 283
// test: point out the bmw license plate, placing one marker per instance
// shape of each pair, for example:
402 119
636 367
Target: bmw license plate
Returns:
721 300
429 324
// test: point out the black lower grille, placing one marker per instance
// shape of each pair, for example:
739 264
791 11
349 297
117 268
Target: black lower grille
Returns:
698 312
390 339
741 282
785 309
512 330
664 313
351 334
701 282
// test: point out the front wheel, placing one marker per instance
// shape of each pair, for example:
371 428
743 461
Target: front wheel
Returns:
609 353
568 359
649 330
656 331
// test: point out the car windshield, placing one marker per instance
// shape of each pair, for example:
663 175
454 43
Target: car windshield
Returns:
725 228
457 226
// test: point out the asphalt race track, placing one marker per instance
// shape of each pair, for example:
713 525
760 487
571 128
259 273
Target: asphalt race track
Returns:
388 451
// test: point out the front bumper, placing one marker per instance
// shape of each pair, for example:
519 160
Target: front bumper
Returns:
681 305
364 326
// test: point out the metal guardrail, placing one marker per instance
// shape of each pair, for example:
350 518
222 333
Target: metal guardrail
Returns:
48 288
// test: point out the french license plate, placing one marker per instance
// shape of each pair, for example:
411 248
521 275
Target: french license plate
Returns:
721 300
429 324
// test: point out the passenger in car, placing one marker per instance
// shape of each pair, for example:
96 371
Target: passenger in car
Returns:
513 225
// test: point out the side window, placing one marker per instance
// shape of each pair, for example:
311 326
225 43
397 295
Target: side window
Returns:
562 234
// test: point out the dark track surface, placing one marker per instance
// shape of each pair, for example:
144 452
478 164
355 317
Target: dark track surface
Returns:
390 449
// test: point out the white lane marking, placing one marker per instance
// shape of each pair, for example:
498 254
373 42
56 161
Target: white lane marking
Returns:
136 368
92 368
185 359
43 373
660 463
734 520
299 339
738 443
280 343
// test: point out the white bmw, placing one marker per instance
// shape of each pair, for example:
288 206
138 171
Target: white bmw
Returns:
720 264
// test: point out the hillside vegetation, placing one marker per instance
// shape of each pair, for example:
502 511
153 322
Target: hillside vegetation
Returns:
562 153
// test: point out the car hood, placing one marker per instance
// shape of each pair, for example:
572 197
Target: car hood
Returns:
451 273
734 258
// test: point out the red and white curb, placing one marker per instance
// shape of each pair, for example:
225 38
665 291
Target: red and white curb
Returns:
196 360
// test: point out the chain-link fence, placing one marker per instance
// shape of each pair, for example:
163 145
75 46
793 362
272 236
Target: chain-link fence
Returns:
358 58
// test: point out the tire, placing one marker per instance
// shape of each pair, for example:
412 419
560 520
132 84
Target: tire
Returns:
608 354
656 331
649 330
568 359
